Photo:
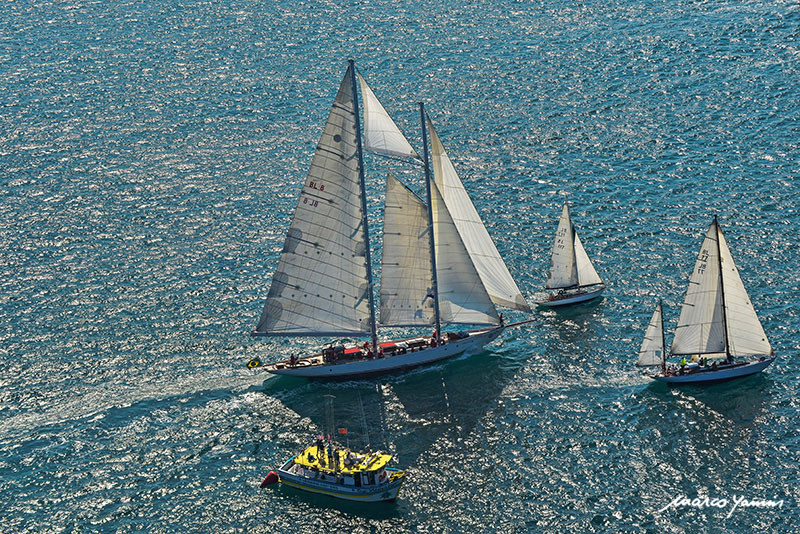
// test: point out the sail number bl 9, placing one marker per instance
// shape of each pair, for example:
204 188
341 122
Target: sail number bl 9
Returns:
314 185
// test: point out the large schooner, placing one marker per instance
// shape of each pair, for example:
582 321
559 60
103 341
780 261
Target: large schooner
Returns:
717 324
439 266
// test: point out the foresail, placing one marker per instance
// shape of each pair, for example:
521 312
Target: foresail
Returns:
487 260
563 267
381 134
320 284
652 351
587 275
746 336
462 296
407 279
700 327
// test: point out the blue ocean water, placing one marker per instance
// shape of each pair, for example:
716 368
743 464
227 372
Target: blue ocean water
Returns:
151 154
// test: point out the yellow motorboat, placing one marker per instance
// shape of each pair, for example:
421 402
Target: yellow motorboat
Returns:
331 469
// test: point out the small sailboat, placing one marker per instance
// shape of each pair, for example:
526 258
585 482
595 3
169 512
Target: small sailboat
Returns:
717 324
572 277
440 266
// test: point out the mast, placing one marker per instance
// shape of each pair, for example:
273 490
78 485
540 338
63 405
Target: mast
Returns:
722 295
368 253
437 317
663 339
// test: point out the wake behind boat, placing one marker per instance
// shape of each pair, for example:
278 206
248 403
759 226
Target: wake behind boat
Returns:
439 266
572 277
717 324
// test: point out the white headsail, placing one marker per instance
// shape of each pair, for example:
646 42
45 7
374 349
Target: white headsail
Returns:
700 327
320 285
652 351
746 336
462 295
563 267
407 280
490 266
381 134
587 275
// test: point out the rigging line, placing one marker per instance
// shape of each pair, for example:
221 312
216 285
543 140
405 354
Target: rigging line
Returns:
382 413
363 419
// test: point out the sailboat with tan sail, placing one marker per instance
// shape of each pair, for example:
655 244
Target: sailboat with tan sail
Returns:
439 267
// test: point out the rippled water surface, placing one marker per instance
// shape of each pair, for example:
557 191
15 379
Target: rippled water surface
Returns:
151 154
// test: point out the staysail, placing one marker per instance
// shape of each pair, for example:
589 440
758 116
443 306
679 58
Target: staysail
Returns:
381 134
652 351
487 260
746 336
462 295
700 327
407 280
563 267
320 285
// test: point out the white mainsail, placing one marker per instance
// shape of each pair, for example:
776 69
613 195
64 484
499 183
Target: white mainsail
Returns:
407 279
652 351
462 295
381 134
563 267
700 327
746 336
490 266
320 285
587 275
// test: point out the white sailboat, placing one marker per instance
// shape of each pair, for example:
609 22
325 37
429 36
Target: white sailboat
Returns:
717 324
439 263
572 277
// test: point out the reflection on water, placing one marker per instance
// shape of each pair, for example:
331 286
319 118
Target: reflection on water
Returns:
712 433
153 157
404 413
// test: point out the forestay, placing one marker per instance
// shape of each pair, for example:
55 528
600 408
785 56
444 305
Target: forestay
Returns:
652 351
407 280
700 327
487 260
320 284
746 336
381 134
563 267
